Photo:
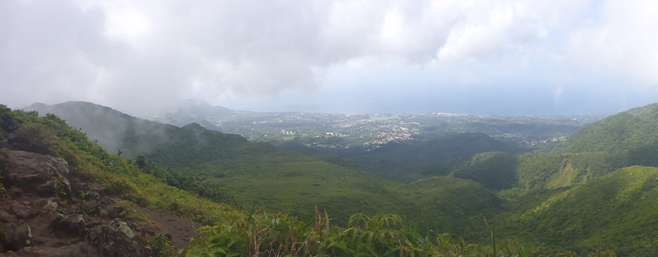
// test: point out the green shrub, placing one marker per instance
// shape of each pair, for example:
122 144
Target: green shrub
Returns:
260 234
162 247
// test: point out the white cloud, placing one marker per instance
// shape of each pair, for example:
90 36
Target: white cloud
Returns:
495 31
621 38
119 52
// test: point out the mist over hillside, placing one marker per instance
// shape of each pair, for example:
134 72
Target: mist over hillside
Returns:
166 144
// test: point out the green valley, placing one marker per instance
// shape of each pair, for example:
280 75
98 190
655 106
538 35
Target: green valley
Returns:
258 174
582 195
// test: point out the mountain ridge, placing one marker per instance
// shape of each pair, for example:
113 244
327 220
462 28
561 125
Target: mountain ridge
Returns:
626 130
166 144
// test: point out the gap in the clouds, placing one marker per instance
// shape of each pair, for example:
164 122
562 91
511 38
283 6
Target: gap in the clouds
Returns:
470 88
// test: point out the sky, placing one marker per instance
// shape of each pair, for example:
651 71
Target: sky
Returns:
534 57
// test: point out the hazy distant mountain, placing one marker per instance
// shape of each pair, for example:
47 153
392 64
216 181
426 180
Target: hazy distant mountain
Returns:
194 110
165 144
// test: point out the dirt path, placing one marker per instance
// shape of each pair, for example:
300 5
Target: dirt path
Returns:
180 229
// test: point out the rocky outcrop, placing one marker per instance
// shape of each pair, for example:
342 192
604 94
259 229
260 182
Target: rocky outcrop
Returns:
71 225
116 239
41 216
44 173
22 235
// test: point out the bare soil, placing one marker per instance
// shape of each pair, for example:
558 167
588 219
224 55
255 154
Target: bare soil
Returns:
179 229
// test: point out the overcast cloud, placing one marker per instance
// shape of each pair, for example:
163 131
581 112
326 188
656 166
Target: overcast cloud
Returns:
504 57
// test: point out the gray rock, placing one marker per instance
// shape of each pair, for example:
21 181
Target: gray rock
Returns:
47 189
122 227
51 205
46 204
65 185
116 239
96 188
75 250
30 170
108 200
28 214
91 195
90 207
55 222
72 225
6 217
8 239
15 192
40 240
22 235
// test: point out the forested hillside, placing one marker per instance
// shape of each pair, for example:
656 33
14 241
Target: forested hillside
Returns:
258 174
572 198
617 211
94 188
583 195
408 154
619 133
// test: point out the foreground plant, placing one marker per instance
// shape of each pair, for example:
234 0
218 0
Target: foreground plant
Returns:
259 234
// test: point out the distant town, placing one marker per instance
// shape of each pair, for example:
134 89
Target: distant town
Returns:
332 130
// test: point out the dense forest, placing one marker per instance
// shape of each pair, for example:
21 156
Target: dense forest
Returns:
133 185
593 191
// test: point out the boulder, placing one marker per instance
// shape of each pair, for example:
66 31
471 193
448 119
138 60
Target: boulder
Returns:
33 171
54 223
28 214
46 204
71 225
116 239
107 200
90 207
6 217
91 195
15 192
48 188
22 235
15 208
7 240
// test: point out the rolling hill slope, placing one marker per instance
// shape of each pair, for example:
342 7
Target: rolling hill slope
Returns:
412 154
618 211
618 133
258 174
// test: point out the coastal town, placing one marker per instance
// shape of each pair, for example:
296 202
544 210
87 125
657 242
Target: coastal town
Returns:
334 130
